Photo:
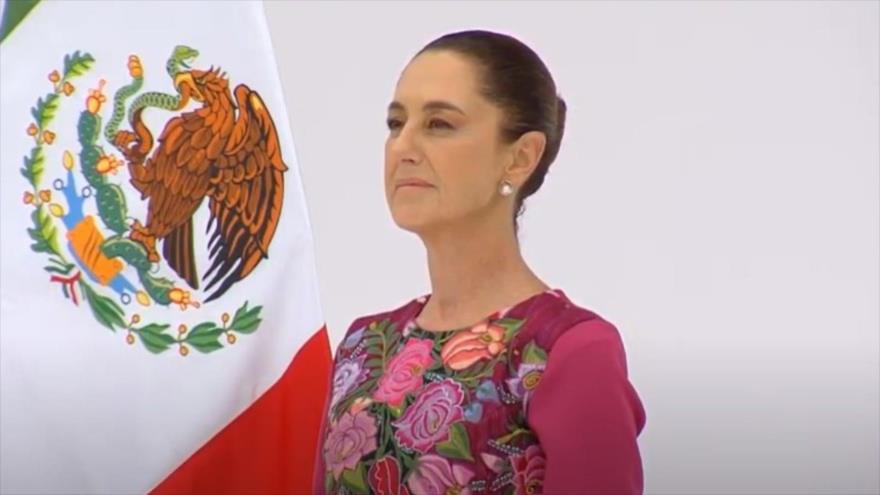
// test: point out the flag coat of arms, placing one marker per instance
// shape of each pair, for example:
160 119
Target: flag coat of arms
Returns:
161 329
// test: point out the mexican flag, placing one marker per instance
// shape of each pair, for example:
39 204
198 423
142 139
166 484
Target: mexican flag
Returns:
160 326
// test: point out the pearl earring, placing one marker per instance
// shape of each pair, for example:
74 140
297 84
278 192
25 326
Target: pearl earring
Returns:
506 188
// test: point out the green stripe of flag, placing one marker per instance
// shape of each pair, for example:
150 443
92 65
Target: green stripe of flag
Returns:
13 14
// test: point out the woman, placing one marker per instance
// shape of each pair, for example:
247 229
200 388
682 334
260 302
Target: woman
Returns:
494 382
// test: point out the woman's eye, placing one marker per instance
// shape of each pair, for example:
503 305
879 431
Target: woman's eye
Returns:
440 123
394 124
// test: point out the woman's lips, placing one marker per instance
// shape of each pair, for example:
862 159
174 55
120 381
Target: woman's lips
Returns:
413 183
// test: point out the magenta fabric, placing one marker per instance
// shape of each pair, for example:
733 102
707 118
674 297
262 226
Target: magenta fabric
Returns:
533 399
587 415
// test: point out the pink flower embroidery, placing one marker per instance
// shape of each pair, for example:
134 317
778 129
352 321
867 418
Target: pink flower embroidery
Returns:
434 475
404 371
483 341
427 420
528 471
352 437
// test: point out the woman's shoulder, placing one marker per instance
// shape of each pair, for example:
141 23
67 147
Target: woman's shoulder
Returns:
553 317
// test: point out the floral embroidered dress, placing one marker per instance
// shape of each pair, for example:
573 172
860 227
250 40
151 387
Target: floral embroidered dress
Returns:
533 399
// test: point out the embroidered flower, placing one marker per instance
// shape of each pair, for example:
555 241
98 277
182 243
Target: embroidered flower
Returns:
409 327
528 471
360 404
434 475
526 380
352 437
353 338
493 462
483 341
473 412
348 375
427 420
404 371
384 477
487 391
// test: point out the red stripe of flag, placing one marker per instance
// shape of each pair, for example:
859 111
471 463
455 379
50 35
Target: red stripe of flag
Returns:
269 448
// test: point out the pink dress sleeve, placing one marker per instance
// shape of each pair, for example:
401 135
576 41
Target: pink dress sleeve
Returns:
587 415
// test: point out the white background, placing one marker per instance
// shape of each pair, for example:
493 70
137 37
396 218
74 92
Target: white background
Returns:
716 197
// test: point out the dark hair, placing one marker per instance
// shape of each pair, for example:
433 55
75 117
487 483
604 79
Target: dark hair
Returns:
514 78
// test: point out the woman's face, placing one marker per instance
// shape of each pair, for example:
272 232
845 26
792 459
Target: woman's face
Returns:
443 157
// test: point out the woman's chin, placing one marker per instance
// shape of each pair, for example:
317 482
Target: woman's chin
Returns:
412 224
411 219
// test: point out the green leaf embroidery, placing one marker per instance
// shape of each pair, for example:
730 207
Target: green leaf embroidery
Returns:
511 326
457 446
473 370
385 429
328 482
395 411
372 340
509 322
394 338
379 326
533 354
374 363
407 461
355 480
517 430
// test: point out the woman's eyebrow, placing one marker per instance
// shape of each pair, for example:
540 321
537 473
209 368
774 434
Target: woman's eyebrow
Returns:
431 105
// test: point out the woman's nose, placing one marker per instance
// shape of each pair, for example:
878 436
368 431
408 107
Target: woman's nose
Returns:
405 145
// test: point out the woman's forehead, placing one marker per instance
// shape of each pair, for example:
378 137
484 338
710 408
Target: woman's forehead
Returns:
441 76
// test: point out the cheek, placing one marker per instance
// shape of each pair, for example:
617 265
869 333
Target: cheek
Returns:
388 169
467 177
387 160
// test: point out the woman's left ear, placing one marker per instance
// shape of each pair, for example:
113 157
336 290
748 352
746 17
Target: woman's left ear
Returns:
527 151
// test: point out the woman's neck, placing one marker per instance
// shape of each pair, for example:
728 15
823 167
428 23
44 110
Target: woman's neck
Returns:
474 271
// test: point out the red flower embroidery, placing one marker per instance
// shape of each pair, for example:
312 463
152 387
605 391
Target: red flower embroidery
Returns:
384 477
528 471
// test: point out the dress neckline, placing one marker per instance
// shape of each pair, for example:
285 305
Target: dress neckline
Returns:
420 303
